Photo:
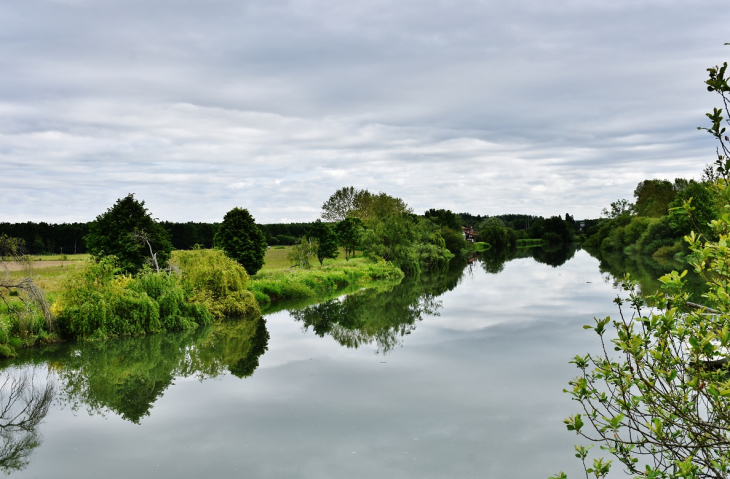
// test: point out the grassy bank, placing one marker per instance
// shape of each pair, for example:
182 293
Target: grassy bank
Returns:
530 243
270 286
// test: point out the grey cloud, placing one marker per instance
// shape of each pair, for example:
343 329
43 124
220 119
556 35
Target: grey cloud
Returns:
485 107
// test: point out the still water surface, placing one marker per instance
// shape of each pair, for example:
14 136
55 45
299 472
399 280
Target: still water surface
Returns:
453 376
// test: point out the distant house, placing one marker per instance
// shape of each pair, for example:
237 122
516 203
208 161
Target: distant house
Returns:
469 234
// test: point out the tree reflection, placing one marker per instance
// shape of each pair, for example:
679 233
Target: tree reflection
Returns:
493 260
127 376
646 270
380 316
24 402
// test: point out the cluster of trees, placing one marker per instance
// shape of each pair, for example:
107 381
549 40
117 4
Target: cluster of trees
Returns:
385 228
504 232
655 224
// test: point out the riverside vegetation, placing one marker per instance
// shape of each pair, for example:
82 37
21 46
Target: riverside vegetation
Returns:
137 284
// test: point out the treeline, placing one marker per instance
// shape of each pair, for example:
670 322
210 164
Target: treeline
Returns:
656 223
42 238
508 231
68 238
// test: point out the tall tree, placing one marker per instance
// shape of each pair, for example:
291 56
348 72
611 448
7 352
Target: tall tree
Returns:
116 232
341 204
242 240
653 197
326 241
349 232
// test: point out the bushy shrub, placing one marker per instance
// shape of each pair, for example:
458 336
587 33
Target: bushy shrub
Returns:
217 281
97 302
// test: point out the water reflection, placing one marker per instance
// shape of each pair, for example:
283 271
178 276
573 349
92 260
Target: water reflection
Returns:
493 261
127 376
24 403
382 316
647 271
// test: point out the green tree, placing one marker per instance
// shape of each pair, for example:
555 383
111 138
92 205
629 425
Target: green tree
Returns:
704 209
242 240
349 232
454 240
618 208
302 252
326 241
341 204
653 197
116 233
493 232
444 218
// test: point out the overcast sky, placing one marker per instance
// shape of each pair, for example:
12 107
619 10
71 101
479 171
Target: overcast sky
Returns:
489 107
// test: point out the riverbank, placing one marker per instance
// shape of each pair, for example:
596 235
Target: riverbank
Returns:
272 286
275 284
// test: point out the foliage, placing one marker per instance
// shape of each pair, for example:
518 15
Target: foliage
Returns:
97 302
444 218
493 232
217 282
326 241
302 252
242 240
653 197
342 203
454 241
25 316
618 208
704 209
349 232
113 234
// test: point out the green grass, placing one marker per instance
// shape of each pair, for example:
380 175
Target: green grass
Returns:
530 243
272 286
59 257
480 246
276 259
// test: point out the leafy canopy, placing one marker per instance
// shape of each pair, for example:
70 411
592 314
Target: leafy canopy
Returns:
242 240
117 231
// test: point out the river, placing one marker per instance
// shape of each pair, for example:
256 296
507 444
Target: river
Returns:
455 375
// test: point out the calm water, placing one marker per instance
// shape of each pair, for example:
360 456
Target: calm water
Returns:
454 376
